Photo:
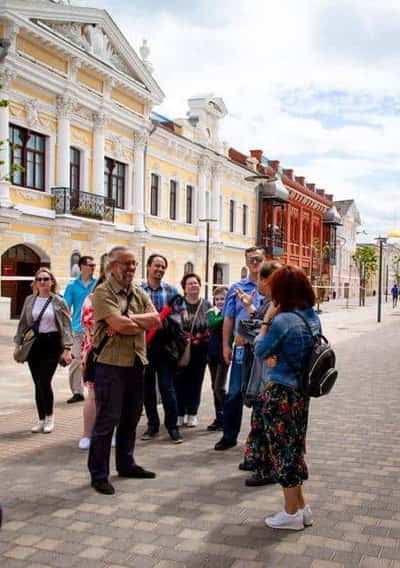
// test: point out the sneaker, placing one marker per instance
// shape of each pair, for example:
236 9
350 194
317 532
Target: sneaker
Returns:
48 424
77 397
103 486
84 443
180 421
214 426
114 441
307 516
175 436
283 520
138 472
224 444
149 434
192 421
37 427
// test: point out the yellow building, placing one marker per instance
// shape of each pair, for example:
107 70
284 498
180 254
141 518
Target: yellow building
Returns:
100 168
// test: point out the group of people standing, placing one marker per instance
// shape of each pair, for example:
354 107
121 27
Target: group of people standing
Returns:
114 317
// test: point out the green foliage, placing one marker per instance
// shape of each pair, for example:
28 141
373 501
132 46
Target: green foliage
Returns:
366 260
86 212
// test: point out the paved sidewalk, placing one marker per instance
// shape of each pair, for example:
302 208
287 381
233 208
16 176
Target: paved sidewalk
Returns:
198 512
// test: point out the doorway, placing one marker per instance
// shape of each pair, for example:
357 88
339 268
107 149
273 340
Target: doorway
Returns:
20 260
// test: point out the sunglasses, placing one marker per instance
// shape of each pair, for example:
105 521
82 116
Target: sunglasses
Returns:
253 259
44 279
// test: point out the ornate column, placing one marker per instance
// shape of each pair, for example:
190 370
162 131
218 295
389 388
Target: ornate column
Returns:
140 141
204 170
99 121
216 201
65 107
6 76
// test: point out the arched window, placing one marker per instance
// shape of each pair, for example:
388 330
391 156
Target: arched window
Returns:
189 267
243 272
74 265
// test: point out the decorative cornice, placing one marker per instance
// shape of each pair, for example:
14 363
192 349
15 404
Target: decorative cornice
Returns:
99 119
66 105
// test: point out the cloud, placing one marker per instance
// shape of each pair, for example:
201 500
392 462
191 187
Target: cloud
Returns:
312 83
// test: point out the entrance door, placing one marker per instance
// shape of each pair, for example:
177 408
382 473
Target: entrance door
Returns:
19 260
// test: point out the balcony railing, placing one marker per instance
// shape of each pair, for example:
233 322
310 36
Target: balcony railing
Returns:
83 204
274 241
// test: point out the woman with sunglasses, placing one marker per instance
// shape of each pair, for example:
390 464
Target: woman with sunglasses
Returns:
52 344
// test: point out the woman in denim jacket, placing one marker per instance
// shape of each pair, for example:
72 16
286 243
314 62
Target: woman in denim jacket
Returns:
286 343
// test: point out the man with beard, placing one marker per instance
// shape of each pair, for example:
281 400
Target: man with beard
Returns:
127 310
161 368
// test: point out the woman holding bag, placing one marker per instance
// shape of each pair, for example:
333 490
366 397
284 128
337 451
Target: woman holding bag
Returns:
45 316
189 379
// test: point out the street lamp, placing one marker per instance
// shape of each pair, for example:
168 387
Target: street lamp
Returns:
381 241
207 221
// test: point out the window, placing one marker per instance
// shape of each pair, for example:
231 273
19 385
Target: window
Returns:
74 265
244 272
114 181
154 194
189 204
74 169
172 199
28 151
189 267
231 216
244 219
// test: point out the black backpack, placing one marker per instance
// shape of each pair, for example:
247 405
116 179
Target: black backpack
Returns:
318 374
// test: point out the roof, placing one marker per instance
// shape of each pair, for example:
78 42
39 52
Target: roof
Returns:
344 206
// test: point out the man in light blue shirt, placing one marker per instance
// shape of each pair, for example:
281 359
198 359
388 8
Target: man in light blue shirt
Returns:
75 294
233 312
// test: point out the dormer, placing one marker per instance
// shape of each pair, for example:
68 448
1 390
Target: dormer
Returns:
205 112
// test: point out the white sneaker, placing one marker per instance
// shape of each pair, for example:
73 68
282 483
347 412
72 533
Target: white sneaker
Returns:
37 427
84 443
192 421
283 520
48 424
113 441
180 421
307 516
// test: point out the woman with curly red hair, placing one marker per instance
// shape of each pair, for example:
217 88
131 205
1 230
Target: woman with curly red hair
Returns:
285 337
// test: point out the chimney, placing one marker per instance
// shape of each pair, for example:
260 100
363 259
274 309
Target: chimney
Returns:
311 187
321 192
257 154
252 163
289 174
329 196
274 164
301 180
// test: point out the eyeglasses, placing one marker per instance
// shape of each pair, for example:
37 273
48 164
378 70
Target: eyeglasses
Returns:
254 259
44 279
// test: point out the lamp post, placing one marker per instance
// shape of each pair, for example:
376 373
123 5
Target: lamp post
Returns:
381 241
207 221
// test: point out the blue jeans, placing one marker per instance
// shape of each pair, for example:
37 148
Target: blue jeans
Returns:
233 406
119 402
163 371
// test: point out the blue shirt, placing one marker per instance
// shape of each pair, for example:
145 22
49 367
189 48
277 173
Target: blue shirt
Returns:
75 294
161 296
233 307
287 338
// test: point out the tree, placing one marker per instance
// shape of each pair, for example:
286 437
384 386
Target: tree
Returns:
13 167
366 261
396 262
319 253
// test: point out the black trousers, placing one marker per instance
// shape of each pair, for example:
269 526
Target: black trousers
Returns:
119 402
163 371
218 371
42 361
189 381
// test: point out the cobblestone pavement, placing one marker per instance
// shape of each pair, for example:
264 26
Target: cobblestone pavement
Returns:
198 512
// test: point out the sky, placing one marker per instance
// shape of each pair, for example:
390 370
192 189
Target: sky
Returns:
315 84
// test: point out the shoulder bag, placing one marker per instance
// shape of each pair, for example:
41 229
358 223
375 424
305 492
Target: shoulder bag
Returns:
185 357
30 335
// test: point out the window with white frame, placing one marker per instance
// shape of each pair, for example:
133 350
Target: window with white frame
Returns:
189 204
173 199
154 194
245 218
74 169
27 150
189 267
114 181
232 216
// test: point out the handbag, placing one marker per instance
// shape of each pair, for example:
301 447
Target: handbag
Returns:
184 359
30 335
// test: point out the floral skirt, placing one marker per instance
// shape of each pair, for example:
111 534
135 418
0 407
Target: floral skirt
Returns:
276 443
